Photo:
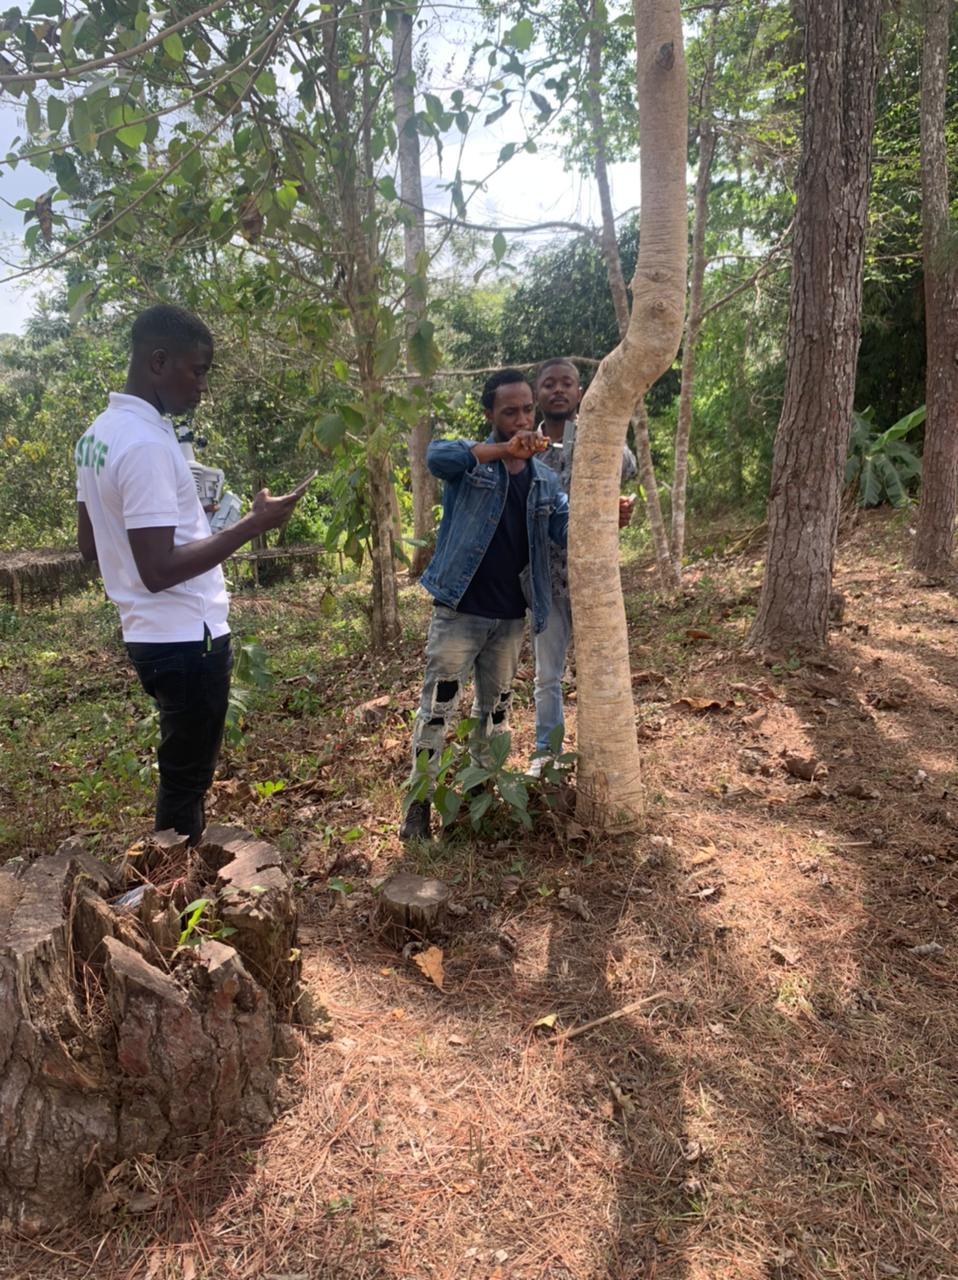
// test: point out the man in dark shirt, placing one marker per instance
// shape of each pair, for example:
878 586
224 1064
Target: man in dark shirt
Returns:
500 509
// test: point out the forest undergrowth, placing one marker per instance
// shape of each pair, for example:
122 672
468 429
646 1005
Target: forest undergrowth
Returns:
782 1109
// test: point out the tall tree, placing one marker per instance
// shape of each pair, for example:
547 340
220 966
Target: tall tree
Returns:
693 323
841 66
414 246
939 489
596 20
610 793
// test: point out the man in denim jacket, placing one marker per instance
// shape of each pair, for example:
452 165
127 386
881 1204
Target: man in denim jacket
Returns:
500 509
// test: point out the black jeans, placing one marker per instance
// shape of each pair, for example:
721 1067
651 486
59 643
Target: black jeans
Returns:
190 683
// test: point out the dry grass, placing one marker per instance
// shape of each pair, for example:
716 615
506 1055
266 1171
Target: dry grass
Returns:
788 1113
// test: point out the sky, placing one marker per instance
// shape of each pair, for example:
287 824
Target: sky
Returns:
531 188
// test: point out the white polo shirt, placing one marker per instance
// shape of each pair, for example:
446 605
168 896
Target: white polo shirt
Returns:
131 474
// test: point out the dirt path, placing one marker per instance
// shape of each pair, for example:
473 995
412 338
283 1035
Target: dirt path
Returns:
787 1108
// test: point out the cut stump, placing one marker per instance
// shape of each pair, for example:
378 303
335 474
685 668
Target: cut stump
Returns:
412 908
115 1041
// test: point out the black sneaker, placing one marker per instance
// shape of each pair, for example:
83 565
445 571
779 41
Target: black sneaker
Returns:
415 825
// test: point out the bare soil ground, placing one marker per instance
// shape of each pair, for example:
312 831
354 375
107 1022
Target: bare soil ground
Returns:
781 1107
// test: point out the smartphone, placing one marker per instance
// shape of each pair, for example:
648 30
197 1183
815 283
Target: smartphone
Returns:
303 485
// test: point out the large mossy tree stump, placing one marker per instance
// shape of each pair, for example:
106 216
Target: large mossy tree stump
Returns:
114 1041
412 908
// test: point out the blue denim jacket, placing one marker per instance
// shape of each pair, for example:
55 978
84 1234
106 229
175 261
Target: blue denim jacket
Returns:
473 498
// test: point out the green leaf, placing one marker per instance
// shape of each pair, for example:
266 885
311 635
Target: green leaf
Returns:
77 299
479 807
266 84
423 352
521 36
493 116
499 748
56 113
45 9
353 417
34 116
173 47
81 128
132 136
507 152
472 776
386 356
330 431
287 196
387 188
448 804
499 246
513 792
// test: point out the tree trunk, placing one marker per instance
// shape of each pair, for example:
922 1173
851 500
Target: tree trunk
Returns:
609 788
620 294
939 487
385 625
414 241
667 570
115 1041
693 324
841 64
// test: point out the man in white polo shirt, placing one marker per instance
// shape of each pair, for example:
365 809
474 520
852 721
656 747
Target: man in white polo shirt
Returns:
139 516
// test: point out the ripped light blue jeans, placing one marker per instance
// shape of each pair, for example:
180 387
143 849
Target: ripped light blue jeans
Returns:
460 645
551 649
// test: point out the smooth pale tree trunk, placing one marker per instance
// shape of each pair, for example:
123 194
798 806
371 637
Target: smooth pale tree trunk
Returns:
939 489
414 247
620 295
683 429
609 784
841 64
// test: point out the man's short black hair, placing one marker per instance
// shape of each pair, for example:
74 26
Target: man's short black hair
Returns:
547 364
502 378
169 327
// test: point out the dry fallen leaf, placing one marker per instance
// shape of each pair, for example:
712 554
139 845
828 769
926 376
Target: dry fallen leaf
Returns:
430 962
548 1021
785 955
701 705
696 633
806 767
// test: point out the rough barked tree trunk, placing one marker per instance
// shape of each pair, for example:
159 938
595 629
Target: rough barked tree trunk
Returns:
357 204
414 245
618 289
841 64
939 488
693 324
609 784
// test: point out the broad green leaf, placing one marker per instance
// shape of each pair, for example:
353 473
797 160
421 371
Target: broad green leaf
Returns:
77 299
56 113
499 246
132 136
353 417
507 152
520 36
387 188
34 116
386 356
287 196
479 807
173 47
472 776
81 129
330 431
266 84
423 352
499 748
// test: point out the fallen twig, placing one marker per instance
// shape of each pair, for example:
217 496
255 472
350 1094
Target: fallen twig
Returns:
617 1013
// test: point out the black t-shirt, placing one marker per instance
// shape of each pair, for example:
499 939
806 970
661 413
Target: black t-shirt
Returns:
494 591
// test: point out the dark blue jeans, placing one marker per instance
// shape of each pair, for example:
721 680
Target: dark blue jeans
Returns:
190 684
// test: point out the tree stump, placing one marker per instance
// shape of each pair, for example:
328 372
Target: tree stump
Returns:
412 908
115 1041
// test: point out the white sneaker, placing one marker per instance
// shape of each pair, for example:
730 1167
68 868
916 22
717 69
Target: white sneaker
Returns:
538 766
